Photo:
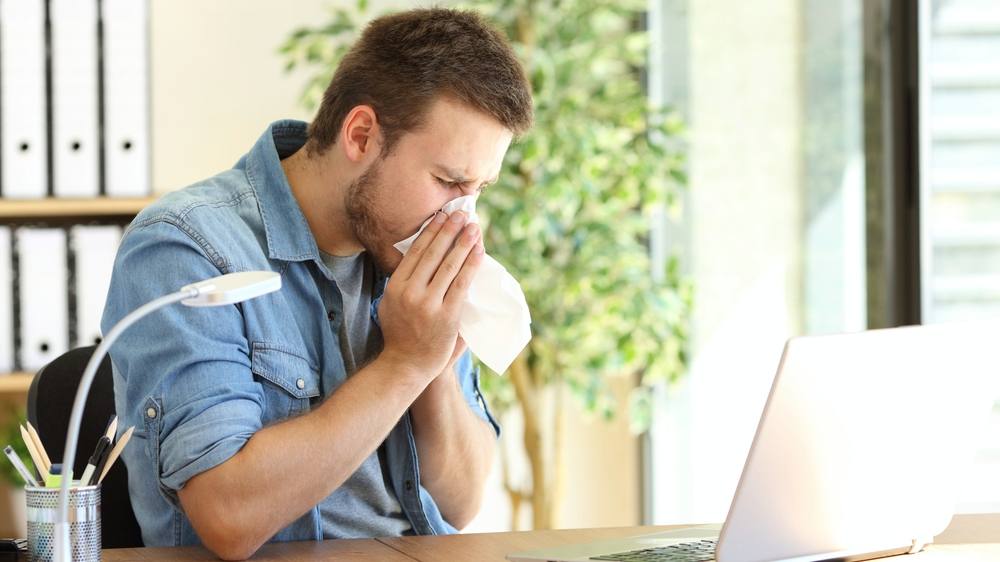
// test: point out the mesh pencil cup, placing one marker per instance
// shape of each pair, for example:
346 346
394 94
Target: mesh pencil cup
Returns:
84 522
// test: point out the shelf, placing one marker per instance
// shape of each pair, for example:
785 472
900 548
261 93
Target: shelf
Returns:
15 383
964 75
965 235
969 180
968 287
967 129
26 210
966 19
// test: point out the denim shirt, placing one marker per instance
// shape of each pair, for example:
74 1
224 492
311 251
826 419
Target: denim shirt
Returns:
197 383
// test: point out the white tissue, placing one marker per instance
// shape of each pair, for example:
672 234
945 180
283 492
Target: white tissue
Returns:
495 321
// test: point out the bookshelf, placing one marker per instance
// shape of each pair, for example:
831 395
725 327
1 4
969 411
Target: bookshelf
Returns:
14 211
62 211
15 383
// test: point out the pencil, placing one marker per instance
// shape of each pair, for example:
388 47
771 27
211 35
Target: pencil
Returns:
38 444
35 457
115 452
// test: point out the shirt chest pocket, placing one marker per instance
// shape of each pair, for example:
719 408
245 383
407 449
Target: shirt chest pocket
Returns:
290 381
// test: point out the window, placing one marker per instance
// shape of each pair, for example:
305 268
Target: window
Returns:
822 199
773 233
960 186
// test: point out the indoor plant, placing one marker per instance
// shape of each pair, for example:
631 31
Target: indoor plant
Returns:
570 217
12 506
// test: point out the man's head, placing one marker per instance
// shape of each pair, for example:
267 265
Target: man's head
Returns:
402 62
425 104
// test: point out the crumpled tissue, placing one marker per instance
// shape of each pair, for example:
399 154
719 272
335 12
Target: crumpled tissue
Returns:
495 321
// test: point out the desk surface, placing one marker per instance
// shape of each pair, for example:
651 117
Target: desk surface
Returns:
492 547
355 549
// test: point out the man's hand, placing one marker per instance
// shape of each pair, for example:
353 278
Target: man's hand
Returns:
420 309
455 448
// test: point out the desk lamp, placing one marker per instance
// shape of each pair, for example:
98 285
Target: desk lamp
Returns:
217 291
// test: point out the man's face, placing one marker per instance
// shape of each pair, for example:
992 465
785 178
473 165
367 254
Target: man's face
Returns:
457 151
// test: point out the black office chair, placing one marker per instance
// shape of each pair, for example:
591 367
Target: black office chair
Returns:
50 401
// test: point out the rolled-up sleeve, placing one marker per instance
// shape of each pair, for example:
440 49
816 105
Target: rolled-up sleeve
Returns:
468 377
183 373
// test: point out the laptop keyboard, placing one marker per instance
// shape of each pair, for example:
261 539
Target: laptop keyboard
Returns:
695 551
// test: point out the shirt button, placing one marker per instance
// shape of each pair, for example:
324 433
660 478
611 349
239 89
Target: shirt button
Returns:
330 315
151 413
300 383
408 485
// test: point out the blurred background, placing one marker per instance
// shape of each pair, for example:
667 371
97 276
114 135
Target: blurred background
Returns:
814 166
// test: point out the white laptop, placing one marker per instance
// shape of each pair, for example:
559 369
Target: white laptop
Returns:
857 455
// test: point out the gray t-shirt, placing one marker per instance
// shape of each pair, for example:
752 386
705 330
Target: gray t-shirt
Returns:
364 505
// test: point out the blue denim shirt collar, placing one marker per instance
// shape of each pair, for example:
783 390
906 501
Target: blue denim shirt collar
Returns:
285 227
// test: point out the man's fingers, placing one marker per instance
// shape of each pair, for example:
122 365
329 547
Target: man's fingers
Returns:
454 261
409 262
431 258
459 288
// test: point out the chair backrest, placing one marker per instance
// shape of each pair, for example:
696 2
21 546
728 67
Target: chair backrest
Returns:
50 400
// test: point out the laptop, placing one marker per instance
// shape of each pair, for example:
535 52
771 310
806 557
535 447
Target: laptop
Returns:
857 455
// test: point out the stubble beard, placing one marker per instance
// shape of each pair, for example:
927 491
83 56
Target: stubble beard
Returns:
366 221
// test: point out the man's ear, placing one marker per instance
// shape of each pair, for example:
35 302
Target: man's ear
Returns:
360 133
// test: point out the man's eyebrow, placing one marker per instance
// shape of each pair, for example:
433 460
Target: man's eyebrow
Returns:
455 175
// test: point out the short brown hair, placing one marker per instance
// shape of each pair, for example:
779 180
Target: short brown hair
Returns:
403 61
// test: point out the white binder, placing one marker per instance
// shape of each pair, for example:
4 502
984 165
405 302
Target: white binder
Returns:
126 98
22 99
94 249
74 97
43 295
6 303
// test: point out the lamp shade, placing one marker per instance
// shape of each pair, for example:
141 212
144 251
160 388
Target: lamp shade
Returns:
232 288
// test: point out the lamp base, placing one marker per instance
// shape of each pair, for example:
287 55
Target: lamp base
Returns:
61 543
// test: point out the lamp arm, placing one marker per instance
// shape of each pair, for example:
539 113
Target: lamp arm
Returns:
61 531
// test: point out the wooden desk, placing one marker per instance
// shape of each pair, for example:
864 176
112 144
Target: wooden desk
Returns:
493 547
482 547
354 549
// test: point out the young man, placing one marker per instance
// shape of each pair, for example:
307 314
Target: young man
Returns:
344 405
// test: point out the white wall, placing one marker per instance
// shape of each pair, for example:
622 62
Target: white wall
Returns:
218 81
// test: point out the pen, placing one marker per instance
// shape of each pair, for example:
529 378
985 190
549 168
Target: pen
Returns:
40 467
21 469
119 446
95 459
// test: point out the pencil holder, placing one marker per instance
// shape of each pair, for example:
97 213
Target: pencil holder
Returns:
84 522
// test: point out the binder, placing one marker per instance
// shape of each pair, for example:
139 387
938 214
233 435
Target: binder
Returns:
125 25
23 121
43 294
6 302
94 249
74 98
